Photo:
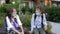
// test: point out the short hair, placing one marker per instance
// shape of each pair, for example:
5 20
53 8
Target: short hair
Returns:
41 8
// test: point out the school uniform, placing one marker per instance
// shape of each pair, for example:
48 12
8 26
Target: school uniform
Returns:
13 23
36 24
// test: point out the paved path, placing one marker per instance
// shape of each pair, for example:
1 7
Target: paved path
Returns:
55 27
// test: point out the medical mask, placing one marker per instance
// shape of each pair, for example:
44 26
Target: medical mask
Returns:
37 13
14 14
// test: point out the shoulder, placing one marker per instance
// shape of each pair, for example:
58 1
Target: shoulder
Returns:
17 15
44 14
33 14
6 17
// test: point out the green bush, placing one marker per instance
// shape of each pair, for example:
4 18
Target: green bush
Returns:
23 9
26 20
5 6
49 27
1 22
26 8
53 13
2 15
31 10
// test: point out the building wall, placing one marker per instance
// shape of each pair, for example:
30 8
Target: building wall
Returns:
55 0
1 2
31 4
27 3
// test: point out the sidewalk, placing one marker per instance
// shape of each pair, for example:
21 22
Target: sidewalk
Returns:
55 27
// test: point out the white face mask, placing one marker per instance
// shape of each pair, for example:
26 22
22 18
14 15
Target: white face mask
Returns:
37 13
14 14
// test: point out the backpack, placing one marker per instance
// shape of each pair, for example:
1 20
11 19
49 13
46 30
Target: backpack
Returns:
41 17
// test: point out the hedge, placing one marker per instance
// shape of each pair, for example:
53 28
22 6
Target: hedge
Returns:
5 6
53 13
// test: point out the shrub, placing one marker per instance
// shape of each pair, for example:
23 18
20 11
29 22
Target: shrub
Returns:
2 15
49 27
53 13
24 9
31 10
26 20
1 22
5 6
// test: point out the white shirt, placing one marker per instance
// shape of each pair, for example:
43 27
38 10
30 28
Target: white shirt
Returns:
9 24
37 22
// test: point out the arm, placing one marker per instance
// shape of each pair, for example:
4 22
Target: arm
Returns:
15 30
32 23
44 22
20 24
22 29
10 26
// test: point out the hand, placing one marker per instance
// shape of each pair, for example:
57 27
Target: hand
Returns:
45 28
22 32
19 32
30 32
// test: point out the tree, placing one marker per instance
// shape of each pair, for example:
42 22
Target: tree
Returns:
46 2
7 1
50 2
37 2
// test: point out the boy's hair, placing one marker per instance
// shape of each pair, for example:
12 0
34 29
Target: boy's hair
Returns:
40 8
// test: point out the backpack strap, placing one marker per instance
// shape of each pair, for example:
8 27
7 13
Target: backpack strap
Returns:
42 20
35 17
5 24
41 17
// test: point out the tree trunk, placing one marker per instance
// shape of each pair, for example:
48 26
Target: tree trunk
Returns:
38 3
50 2
46 2
7 1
